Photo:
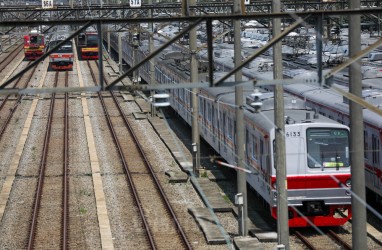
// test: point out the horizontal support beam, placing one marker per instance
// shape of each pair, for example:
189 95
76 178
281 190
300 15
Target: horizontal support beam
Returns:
143 87
192 18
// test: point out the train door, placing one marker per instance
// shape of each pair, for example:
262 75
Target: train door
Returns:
267 161
262 163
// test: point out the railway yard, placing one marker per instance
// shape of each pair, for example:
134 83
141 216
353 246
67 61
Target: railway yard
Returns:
75 166
98 170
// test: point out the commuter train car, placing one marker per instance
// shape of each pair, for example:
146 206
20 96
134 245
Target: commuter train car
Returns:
87 44
331 104
317 155
34 45
61 58
318 169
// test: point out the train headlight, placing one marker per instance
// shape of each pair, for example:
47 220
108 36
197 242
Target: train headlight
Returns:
348 183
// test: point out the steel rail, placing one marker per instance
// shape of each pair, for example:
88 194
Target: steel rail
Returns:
340 241
65 216
305 240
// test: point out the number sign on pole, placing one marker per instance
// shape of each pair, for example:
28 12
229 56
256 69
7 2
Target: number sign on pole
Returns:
47 4
135 3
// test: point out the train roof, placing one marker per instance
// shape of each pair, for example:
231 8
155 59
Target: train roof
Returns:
375 83
335 101
295 110
91 29
59 36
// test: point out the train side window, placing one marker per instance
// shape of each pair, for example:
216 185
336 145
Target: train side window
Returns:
247 142
234 134
201 106
366 145
181 95
230 129
188 98
375 149
254 148
157 74
207 108
224 124
210 112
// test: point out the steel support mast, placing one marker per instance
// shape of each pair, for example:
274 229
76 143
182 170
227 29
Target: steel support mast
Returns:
359 235
151 63
194 96
241 175
280 152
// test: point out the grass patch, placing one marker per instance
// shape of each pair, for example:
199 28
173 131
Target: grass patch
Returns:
86 193
225 197
83 210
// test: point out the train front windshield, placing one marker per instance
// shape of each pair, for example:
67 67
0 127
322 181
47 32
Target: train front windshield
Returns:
37 39
65 48
327 148
92 40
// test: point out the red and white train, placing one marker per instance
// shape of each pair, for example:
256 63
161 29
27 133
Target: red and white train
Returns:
317 153
62 58
34 45
318 169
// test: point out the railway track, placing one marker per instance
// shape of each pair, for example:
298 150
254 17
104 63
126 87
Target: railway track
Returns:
48 226
10 57
335 238
10 103
328 240
158 224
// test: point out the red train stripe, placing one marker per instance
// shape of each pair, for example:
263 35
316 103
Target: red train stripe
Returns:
315 181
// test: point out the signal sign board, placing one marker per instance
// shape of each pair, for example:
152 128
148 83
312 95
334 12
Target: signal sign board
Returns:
47 4
135 3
